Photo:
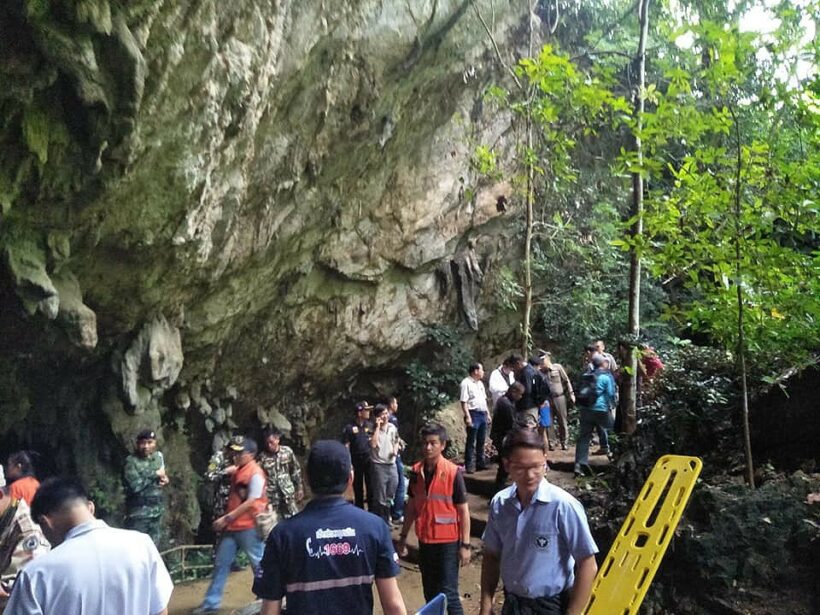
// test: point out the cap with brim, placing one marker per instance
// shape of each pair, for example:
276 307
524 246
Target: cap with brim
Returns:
328 466
363 405
247 445
238 441
146 434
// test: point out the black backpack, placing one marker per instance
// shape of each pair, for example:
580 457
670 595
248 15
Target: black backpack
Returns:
587 393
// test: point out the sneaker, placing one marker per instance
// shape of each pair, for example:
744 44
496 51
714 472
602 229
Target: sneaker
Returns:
601 451
563 446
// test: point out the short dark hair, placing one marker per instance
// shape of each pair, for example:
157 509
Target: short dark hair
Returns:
434 429
522 438
56 494
591 348
271 430
513 360
534 361
390 399
378 409
474 367
517 386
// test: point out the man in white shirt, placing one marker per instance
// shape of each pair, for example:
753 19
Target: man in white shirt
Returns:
503 376
92 568
384 447
473 398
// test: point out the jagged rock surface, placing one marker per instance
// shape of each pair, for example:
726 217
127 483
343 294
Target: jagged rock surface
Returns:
282 181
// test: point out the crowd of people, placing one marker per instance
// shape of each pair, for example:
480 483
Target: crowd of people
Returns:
327 557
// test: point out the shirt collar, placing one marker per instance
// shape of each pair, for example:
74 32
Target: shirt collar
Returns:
327 502
84 528
542 494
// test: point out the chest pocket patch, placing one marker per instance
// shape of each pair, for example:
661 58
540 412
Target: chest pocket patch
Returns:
542 541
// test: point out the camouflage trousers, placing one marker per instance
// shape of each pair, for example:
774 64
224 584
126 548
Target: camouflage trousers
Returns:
147 525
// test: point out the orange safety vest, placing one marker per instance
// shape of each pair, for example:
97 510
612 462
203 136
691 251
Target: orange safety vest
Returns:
239 492
436 515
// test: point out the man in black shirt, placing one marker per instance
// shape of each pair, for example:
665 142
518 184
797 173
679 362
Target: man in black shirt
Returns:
356 437
503 423
535 392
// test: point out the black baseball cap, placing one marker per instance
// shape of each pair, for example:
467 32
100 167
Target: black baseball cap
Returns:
328 467
146 434
246 445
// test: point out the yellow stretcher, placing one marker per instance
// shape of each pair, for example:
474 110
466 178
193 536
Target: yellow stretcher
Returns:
633 560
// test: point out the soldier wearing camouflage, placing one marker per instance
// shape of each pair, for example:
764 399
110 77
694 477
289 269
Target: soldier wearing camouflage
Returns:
21 539
144 477
284 475
220 468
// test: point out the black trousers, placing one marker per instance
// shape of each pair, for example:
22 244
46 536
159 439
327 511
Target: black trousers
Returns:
361 480
552 605
439 573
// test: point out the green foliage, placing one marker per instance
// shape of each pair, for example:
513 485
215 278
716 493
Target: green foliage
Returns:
507 290
485 160
572 261
434 381
735 153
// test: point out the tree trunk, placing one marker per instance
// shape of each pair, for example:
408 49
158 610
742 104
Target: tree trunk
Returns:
629 421
741 338
526 328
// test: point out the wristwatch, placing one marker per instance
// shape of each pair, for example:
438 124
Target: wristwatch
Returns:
466 545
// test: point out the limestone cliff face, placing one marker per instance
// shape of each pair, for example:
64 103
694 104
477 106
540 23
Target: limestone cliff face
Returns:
215 213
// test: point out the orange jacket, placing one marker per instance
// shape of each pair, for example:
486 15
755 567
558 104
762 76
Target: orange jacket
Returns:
436 515
239 491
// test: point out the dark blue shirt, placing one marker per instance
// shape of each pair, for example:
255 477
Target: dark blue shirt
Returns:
358 439
326 558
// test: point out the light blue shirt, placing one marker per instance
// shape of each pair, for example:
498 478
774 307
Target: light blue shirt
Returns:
96 570
538 545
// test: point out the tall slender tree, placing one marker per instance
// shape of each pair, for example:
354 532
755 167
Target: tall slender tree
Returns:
629 382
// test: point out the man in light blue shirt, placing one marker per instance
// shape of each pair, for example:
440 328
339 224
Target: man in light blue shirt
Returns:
92 569
537 539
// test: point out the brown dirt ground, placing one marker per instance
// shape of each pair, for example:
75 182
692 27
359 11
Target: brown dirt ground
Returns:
238 589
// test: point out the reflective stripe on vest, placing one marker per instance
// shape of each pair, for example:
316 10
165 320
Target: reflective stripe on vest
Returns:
436 515
312 586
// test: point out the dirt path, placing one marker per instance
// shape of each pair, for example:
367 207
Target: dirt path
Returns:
480 485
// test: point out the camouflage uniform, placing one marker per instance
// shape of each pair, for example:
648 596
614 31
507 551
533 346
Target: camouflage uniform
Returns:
216 475
284 480
143 495
21 540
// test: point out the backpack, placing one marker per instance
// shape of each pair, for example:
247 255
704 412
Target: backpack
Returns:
587 393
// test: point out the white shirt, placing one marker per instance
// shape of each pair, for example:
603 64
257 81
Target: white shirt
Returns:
385 452
499 383
97 570
473 394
